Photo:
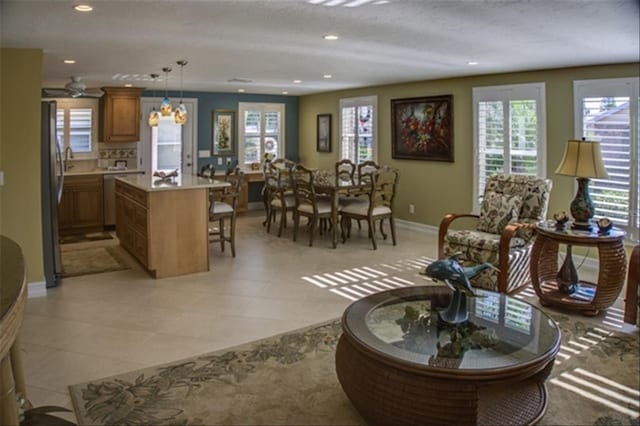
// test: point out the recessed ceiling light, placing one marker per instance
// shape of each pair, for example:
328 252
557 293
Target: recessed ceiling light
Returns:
241 90
472 63
330 37
297 81
285 93
327 76
83 8
128 85
69 61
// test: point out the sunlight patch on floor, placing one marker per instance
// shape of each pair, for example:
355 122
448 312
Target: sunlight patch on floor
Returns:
362 281
600 389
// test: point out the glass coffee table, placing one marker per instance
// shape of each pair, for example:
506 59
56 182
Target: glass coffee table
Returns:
399 364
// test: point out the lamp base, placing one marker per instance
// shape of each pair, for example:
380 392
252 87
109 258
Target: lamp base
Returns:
582 226
582 207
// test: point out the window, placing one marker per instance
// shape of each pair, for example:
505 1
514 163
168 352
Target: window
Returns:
166 145
607 111
261 131
358 129
509 133
76 126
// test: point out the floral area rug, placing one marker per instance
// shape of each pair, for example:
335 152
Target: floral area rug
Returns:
290 379
92 260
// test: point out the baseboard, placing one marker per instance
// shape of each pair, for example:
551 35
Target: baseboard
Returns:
415 226
37 289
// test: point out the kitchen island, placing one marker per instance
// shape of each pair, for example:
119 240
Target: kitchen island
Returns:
164 225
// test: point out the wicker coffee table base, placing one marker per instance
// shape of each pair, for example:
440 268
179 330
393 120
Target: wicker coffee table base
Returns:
386 391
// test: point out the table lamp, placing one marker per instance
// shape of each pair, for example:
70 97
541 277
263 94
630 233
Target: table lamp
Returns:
583 160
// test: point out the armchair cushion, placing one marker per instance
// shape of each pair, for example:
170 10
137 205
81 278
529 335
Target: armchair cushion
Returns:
477 246
497 211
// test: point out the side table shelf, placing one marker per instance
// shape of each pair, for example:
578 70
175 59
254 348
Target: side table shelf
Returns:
589 298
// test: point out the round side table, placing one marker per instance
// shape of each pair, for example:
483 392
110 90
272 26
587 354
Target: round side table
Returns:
587 297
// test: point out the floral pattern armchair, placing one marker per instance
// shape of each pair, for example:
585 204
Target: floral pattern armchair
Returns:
504 234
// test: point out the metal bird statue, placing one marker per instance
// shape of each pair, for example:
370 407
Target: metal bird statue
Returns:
456 277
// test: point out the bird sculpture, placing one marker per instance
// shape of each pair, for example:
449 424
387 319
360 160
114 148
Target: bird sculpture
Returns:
456 277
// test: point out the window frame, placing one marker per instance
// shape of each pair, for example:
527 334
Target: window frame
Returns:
89 103
616 87
371 100
263 107
506 93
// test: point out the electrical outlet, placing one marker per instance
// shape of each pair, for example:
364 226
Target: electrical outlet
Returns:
219 161
412 209
1 178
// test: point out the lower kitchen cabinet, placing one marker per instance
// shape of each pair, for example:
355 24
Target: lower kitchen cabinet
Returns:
81 208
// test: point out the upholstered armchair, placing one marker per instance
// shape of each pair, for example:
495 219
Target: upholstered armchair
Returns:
504 232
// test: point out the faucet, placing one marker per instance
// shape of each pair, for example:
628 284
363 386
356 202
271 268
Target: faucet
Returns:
68 153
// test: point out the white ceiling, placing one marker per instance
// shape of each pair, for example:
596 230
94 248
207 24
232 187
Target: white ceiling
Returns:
273 42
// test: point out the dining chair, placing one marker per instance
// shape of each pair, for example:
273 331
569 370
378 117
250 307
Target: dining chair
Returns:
308 203
366 169
281 198
376 205
222 207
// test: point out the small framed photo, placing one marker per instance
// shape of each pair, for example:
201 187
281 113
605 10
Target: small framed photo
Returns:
223 126
323 133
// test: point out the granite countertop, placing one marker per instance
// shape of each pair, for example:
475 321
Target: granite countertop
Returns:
152 183
102 172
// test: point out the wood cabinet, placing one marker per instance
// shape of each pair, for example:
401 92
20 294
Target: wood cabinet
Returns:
243 199
81 208
165 230
120 114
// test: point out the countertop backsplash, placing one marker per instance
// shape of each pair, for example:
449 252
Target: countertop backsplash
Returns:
109 155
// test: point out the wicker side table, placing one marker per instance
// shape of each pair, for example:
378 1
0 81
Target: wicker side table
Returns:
589 298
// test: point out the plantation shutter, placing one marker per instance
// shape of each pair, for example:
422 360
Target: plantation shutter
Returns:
357 129
80 122
348 137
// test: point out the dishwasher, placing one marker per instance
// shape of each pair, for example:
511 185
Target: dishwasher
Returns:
109 199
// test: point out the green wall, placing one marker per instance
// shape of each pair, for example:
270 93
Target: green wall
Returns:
20 202
437 188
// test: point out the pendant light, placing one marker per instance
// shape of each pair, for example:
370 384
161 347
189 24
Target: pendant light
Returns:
181 112
165 105
154 115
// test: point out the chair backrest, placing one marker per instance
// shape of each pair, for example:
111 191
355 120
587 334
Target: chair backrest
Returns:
534 191
345 171
365 169
283 163
386 185
227 194
303 188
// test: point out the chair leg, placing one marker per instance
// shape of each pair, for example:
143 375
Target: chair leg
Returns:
283 220
271 212
221 225
384 236
296 222
312 231
371 234
392 225
232 237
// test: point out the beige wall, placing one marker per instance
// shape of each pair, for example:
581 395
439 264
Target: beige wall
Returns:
436 188
20 202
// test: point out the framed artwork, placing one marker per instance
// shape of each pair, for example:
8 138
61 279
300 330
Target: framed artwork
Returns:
223 126
323 127
422 128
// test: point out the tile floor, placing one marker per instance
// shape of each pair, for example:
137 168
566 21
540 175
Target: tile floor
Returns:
99 325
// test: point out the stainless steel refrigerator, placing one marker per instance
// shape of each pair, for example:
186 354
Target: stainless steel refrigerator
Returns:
52 182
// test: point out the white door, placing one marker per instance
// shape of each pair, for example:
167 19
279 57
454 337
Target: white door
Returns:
169 146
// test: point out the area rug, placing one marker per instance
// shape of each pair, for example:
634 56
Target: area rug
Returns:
81 238
290 379
92 260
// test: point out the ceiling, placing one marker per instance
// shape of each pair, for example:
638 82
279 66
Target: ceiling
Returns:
271 43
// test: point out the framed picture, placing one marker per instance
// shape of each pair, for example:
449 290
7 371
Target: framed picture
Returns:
223 127
324 133
422 128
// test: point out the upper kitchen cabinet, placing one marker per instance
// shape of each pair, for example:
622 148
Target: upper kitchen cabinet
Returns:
120 108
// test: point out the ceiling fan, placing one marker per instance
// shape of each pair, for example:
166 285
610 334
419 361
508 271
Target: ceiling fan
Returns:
74 89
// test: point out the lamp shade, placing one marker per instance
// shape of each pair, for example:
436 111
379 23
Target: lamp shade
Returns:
582 159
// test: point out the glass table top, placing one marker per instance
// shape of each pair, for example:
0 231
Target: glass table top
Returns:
403 324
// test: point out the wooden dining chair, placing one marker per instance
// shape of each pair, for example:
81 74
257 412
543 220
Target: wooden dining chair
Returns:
308 203
377 205
367 169
222 207
281 198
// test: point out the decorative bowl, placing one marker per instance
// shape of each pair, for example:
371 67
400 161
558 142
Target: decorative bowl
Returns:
561 218
604 225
